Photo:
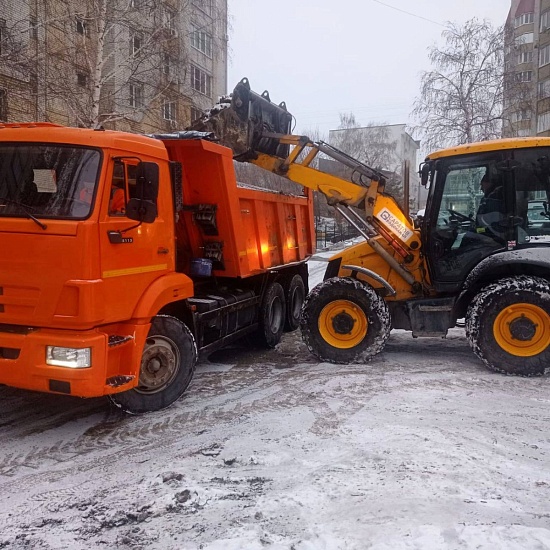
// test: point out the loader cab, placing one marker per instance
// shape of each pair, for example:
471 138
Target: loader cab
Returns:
478 206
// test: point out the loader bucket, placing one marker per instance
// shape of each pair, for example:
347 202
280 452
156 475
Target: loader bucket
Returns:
244 121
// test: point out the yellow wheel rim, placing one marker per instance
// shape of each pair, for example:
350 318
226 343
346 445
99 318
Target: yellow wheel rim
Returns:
343 324
522 329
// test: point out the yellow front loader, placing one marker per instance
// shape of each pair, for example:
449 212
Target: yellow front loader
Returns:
419 279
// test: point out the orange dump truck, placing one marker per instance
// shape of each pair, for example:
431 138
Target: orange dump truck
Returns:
126 256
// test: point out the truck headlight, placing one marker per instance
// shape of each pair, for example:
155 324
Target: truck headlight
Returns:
73 358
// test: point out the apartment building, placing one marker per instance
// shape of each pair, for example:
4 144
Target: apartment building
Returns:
527 69
136 65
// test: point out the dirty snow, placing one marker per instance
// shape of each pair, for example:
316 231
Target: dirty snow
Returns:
423 448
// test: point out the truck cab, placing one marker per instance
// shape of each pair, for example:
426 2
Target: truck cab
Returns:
101 232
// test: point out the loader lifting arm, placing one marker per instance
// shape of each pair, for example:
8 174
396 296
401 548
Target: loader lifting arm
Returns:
259 132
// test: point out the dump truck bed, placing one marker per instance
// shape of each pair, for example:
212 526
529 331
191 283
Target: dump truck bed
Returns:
244 230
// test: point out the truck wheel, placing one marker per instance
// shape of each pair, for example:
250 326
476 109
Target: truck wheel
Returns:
345 321
295 293
508 326
272 316
167 366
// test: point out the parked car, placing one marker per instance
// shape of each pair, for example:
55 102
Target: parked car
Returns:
538 217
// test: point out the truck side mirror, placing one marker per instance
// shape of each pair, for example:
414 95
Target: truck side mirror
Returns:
143 206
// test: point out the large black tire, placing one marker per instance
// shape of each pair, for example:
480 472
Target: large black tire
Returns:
272 316
295 294
345 321
508 325
167 366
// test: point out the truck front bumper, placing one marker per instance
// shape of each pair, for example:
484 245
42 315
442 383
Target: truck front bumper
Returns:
113 366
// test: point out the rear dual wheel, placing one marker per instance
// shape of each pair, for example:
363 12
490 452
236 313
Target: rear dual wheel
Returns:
508 326
345 321
295 294
272 316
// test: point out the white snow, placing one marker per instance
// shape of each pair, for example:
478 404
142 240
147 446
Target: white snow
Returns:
423 448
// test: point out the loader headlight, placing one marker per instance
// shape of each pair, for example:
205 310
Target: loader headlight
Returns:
73 358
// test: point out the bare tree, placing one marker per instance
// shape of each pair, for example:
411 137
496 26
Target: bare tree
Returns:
461 97
373 145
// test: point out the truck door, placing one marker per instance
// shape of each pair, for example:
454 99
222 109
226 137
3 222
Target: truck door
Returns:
464 224
132 254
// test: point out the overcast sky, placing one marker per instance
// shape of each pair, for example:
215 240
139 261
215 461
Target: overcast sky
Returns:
324 57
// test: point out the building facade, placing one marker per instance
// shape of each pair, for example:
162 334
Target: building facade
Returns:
136 65
527 69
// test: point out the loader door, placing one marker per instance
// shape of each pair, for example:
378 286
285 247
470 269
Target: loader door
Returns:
456 234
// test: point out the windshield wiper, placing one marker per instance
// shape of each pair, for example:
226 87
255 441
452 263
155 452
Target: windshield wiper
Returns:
27 209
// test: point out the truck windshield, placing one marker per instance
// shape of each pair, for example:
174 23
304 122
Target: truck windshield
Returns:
47 181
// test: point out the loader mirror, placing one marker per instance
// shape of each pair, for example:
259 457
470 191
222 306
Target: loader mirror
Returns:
424 173
142 206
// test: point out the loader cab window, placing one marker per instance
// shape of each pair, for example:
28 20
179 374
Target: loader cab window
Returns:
468 220
531 171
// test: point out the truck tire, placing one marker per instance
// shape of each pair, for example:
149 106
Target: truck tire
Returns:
295 294
272 316
167 366
345 321
508 325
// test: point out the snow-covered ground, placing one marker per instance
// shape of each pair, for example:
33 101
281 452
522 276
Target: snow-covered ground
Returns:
422 448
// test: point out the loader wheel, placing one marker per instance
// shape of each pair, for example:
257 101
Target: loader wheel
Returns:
345 321
272 316
167 366
508 326
295 293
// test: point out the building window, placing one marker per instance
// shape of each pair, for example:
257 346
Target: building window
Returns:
136 95
204 5
81 26
525 38
544 20
3 105
544 56
3 36
201 81
136 43
523 132
525 57
195 114
33 28
82 79
166 63
524 19
169 110
524 76
169 20
522 114
543 122
544 88
202 41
